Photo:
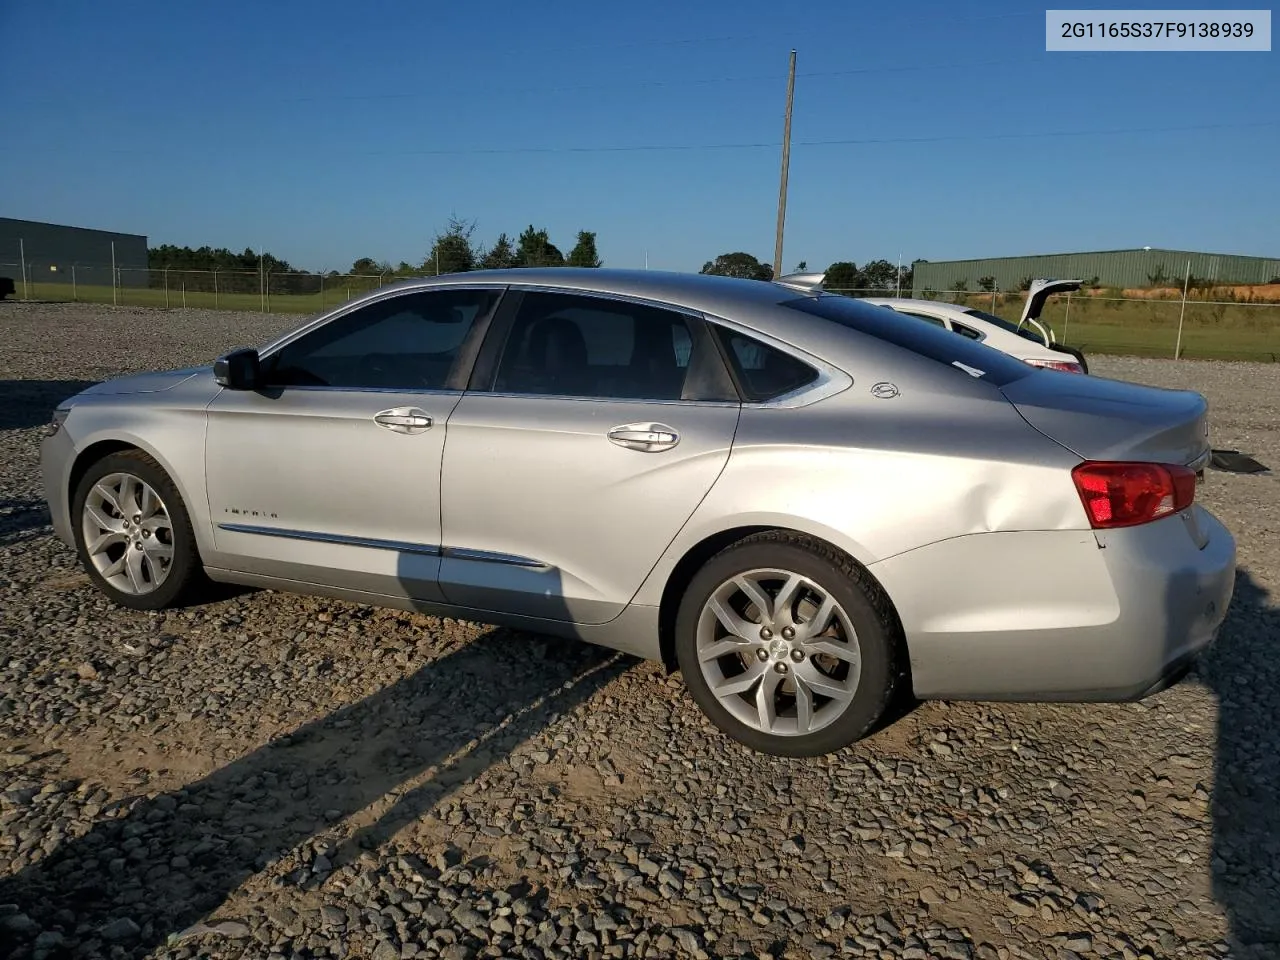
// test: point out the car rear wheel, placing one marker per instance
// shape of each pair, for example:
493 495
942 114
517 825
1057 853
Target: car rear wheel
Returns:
788 646
133 533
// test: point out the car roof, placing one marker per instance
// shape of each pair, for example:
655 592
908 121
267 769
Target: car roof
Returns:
699 291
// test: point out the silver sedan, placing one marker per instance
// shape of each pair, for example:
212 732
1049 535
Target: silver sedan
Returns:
806 504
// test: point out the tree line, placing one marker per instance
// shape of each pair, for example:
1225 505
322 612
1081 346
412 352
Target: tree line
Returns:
456 250
876 275
452 250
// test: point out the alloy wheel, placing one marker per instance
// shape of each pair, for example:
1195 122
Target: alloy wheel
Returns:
778 652
128 533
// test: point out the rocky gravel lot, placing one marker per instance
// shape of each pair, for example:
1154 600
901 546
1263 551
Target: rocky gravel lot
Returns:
269 776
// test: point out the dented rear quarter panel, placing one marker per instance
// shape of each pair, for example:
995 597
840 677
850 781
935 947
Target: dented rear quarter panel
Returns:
879 477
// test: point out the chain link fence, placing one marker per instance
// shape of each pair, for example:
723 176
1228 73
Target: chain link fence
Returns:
1216 324
1213 324
214 289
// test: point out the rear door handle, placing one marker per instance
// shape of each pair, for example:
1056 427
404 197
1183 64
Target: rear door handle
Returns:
403 420
646 437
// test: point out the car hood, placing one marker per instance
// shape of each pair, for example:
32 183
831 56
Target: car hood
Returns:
152 382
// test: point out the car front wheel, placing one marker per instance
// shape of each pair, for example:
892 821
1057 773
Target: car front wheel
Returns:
788 646
133 533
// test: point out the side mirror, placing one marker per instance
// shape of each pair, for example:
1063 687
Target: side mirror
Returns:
238 370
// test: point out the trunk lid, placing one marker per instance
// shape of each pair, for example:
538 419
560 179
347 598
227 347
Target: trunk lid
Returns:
1101 419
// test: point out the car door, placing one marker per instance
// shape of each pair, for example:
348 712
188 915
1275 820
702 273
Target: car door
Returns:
329 473
593 428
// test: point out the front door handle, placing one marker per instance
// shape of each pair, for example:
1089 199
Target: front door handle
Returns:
646 437
403 420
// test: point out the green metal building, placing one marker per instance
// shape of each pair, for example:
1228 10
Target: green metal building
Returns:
1112 268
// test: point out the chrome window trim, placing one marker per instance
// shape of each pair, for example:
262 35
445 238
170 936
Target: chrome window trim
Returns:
398 391
369 299
831 379
686 312
535 287
507 395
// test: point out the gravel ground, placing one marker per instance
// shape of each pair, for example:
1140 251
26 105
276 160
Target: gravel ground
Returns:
270 776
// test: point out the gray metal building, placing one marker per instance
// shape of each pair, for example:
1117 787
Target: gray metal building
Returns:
1113 268
49 251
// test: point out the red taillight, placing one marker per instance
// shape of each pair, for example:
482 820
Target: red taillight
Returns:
1068 366
1118 494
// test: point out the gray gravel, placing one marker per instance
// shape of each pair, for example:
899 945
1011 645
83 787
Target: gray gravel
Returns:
274 776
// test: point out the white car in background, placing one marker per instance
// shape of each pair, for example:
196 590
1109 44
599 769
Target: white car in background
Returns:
1029 340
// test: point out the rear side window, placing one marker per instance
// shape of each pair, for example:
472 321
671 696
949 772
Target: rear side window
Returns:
958 352
763 372
1004 324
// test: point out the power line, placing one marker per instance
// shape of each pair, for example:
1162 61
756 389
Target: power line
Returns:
751 145
436 92
852 141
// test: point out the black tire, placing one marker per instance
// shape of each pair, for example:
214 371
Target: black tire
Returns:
185 581
869 611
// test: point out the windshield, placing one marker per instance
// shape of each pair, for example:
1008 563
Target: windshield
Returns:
1005 325
918 336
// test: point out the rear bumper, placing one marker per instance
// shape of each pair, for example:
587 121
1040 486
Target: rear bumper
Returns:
1063 615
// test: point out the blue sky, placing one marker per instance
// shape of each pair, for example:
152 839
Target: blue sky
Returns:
325 132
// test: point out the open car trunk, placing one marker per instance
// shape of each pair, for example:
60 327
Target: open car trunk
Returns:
1038 293
1102 419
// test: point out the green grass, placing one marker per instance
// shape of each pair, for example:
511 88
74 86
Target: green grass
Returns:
149 297
1229 331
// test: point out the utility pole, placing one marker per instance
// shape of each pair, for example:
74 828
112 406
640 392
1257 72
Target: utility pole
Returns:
786 163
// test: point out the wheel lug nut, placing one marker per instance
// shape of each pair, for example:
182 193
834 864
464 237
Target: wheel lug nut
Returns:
788 633
137 518
766 634
762 654
780 667
797 655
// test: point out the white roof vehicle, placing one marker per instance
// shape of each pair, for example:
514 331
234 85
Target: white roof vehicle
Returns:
1029 340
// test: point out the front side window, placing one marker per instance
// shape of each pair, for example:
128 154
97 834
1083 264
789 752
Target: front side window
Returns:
406 342
575 345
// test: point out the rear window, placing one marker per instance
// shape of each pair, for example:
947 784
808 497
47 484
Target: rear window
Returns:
1005 325
963 355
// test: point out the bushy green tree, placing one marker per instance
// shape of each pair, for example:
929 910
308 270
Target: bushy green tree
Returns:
535 249
500 256
738 264
584 253
843 275
452 251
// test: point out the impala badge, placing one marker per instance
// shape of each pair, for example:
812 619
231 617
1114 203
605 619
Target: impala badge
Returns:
884 390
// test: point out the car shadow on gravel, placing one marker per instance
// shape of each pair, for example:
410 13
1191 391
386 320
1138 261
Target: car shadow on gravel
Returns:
151 867
1243 671
21 519
30 403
